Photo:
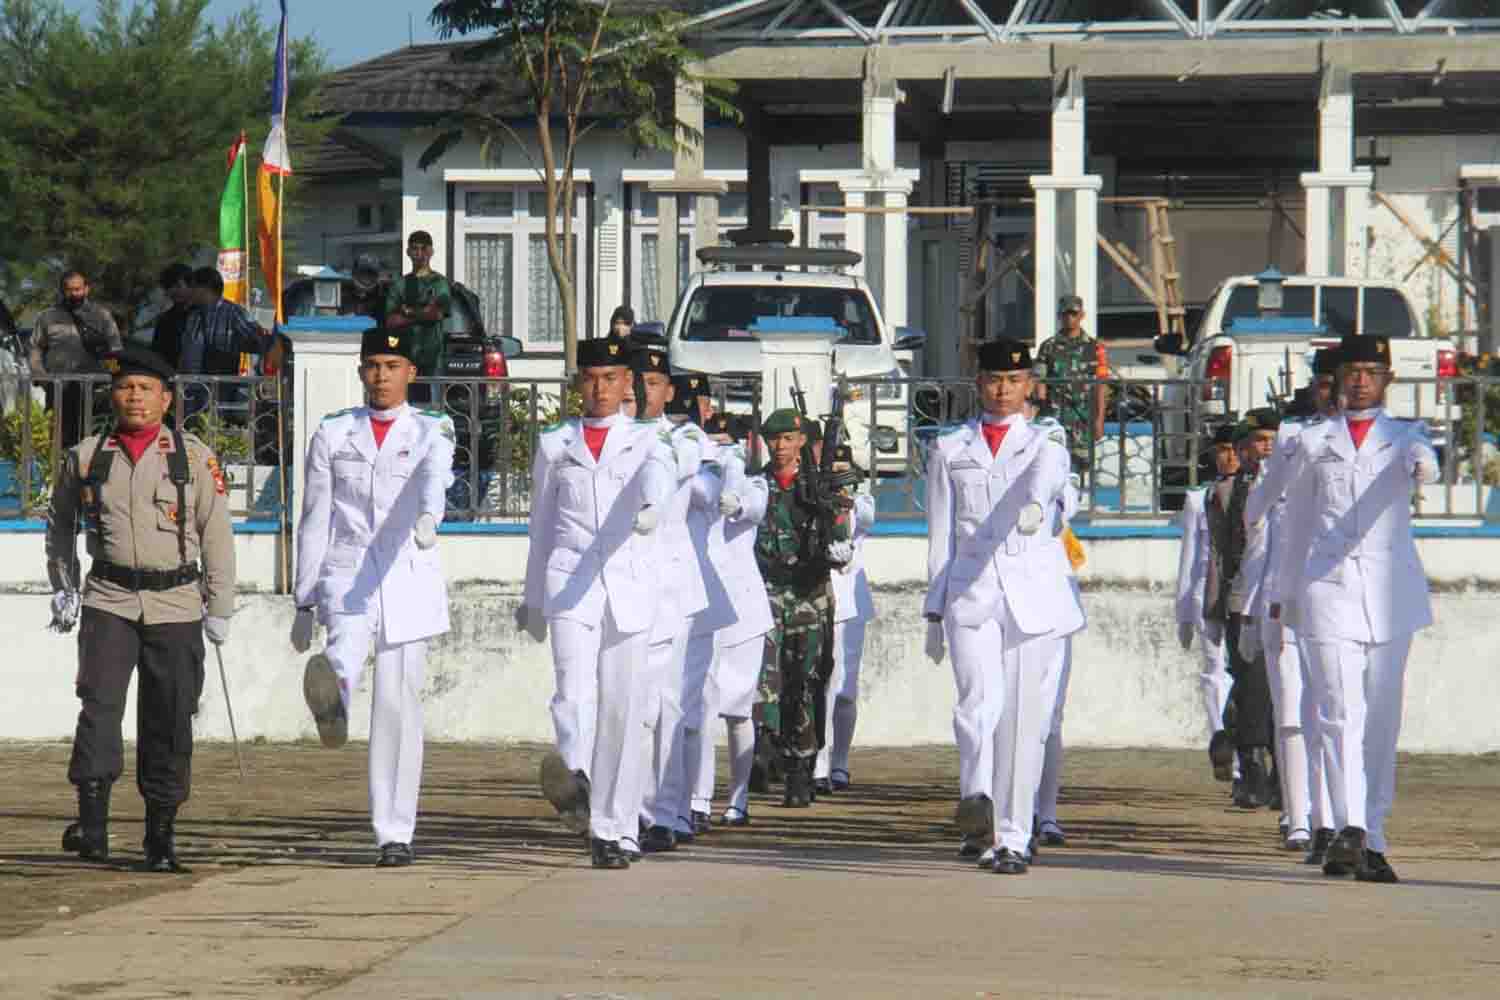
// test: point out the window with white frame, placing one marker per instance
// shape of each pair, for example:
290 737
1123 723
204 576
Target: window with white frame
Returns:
501 255
645 236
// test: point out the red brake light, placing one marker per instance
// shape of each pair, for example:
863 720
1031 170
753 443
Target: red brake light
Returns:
1447 364
1220 366
494 365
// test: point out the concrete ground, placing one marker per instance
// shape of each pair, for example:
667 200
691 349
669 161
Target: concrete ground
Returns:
1162 890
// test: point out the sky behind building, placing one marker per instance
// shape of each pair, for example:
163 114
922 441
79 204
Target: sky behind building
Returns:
348 30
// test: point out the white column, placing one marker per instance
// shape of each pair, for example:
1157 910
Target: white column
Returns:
667 281
894 259
1086 247
1044 254
1343 253
854 227
326 381
1356 212
1069 140
1319 219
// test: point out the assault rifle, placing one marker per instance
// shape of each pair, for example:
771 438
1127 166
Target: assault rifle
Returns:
818 486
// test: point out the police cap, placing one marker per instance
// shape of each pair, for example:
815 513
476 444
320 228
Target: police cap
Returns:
603 352
1004 355
136 360
1364 348
381 341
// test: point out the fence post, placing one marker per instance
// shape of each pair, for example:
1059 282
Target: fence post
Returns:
23 470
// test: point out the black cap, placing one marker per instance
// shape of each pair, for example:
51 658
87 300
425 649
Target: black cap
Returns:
1004 355
367 263
1225 434
1364 348
603 352
136 360
686 390
380 340
649 352
1325 361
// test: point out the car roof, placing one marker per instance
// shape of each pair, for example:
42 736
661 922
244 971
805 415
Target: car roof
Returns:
794 279
1312 279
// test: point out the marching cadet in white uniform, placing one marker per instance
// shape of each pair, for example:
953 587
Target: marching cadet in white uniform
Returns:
1048 831
376 482
853 609
1351 582
994 586
597 485
1192 577
1298 754
678 594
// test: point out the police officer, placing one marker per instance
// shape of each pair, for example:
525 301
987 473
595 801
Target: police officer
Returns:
796 556
152 503
996 593
71 338
376 478
1351 582
597 485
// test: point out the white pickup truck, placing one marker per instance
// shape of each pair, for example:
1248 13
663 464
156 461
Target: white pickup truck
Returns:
1240 371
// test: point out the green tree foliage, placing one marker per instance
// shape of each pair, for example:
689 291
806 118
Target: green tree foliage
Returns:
114 134
566 67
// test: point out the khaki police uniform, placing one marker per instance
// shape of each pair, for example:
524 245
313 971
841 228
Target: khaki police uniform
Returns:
163 555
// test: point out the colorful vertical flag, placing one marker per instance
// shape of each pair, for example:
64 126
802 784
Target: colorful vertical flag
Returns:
274 162
232 250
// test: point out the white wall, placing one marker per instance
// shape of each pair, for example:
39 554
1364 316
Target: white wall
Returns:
1132 685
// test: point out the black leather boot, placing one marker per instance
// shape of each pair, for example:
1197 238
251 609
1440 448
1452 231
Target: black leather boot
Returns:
161 841
89 837
798 789
1255 774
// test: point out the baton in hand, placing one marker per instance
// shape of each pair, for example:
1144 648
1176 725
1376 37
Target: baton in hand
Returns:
234 735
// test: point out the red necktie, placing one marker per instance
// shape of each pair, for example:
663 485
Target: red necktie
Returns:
380 428
1358 429
594 438
993 435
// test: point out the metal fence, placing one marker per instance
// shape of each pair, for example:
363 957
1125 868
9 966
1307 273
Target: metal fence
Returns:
245 420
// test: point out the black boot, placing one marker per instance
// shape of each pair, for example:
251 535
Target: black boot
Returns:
1322 839
798 790
1347 852
160 842
1255 777
89 837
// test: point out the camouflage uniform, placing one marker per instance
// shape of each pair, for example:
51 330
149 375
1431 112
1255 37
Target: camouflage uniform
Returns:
796 572
1076 361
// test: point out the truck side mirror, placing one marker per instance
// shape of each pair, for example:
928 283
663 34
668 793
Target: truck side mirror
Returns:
509 346
909 339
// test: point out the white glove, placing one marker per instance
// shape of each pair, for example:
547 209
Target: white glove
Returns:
217 629
1185 634
425 532
1250 644
65 607
1030 519
645 521
302 629
935 642
730 504
840 553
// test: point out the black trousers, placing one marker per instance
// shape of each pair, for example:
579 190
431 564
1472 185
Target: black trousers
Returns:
1254 722
170 658
67 398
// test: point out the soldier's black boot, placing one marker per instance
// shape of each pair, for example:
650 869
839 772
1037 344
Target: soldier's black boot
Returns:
1322 839
89 837
161 840
798 789
1255 777
760 780
1347 852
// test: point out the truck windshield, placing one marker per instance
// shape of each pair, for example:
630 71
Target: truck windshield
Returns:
1386 314
727 312
1296 300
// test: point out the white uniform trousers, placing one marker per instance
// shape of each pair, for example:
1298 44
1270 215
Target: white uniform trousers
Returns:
1304 793
843 695
999 720
1359 692
699 705
597 668
1055 697
395 717
1214 681
660 749
729 693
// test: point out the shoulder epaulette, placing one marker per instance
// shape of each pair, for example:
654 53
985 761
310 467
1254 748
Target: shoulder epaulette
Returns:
435 414
555 426
340 413
947 429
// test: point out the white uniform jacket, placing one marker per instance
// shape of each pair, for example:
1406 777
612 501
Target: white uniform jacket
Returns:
359 506
852 600
679 590
1349 565
1192 558
584 549
974 552
1271 486
739 600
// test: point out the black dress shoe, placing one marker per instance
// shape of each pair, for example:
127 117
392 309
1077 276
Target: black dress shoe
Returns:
736 819
607 854
823 786
701 823
1375 868
1008 862
684 837
839 780
631 849
970 847
1052 834
1318 853
1221 756
1348 848
658 840
394 855
976 817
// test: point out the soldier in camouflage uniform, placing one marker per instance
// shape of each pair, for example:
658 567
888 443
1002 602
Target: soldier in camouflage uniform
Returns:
1068 361
795 561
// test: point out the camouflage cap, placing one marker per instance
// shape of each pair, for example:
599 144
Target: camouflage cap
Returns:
784 421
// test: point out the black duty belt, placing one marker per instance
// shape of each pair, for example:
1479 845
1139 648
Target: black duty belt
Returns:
144 579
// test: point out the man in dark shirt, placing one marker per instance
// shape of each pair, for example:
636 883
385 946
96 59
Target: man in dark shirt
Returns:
172 324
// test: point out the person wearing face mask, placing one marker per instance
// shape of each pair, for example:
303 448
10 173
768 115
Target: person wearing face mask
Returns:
71 338
367 568
998 594
1351 582
151 503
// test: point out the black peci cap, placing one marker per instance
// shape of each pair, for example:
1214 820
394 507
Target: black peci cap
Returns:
1364 348
136 360
1004 355
1325 361
604 352
380 340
